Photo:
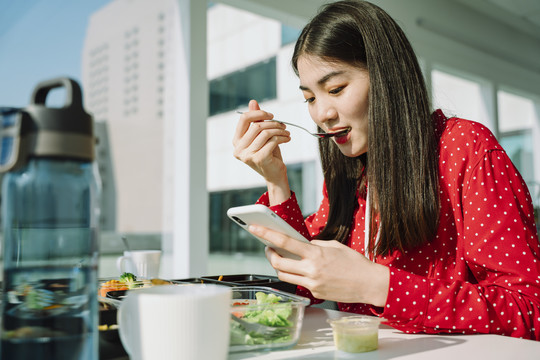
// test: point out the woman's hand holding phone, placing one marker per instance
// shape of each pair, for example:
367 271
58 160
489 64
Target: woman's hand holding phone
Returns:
329 269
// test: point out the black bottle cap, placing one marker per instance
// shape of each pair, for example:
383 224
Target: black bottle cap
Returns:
65 131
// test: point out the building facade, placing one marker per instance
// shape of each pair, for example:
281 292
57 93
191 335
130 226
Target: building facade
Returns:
123 74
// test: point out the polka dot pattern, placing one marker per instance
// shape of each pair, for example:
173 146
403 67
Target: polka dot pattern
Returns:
481 272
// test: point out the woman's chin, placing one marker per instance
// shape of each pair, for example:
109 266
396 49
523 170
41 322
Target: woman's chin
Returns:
350 149
352 154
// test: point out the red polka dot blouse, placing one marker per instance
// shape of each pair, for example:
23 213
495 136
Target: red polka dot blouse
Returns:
481 272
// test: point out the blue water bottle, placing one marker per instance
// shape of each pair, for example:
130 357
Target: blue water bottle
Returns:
50 214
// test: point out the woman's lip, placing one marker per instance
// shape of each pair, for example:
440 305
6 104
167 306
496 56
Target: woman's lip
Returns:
335 130
344 130
342 139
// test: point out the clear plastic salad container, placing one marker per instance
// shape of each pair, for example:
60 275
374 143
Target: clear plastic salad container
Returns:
356 334
281 314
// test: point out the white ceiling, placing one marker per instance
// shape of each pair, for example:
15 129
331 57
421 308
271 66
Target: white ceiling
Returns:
523 15
520 14
527 10
499 37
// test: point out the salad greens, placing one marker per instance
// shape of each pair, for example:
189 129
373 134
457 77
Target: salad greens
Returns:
270 312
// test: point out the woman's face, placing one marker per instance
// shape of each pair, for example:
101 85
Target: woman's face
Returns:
337 97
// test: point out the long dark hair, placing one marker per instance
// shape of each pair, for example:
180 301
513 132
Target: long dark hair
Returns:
402 145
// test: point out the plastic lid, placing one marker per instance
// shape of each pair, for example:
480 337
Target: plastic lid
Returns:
357 321
58 132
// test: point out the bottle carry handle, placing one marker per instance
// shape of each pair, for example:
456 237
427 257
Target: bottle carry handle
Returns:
73 96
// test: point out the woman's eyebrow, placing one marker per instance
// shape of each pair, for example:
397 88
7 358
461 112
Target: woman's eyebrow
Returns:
324 79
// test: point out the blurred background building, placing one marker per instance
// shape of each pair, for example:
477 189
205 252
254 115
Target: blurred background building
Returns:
123 72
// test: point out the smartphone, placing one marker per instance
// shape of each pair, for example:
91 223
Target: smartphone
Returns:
258 214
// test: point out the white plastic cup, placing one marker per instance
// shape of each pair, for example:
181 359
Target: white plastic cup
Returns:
356 334
141 263
172 322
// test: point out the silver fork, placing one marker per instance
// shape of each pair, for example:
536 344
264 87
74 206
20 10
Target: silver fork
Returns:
260 329
319 135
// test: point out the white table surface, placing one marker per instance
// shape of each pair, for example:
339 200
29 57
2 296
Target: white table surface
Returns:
316 342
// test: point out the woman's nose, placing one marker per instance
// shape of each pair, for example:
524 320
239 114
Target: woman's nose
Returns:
326 113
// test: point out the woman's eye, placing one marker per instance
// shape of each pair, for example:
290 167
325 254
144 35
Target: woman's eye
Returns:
336 90
310 100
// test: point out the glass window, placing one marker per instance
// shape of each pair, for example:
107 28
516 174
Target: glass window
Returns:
515 112
519 147
226 236
289 34
236 89
458 96
516 120
295 175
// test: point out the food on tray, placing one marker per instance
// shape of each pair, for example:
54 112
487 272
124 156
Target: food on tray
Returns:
128 281
160 282
268 311
111 285
106 327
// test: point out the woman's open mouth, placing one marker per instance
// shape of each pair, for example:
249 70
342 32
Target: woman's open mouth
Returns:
341 136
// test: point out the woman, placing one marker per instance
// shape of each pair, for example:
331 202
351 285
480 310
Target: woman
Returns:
424 220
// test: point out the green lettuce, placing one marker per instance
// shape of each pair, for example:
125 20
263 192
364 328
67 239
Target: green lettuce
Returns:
270 312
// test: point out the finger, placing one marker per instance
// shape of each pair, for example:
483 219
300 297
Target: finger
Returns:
270 153
282 264
260 132
264 145
260 151
247 119
327 243
282 241
253 105
292 278
270 253
255 139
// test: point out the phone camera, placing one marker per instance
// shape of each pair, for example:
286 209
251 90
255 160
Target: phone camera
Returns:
238 220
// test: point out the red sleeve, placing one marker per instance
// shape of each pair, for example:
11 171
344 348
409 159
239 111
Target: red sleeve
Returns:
289 211
317 221
498 243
